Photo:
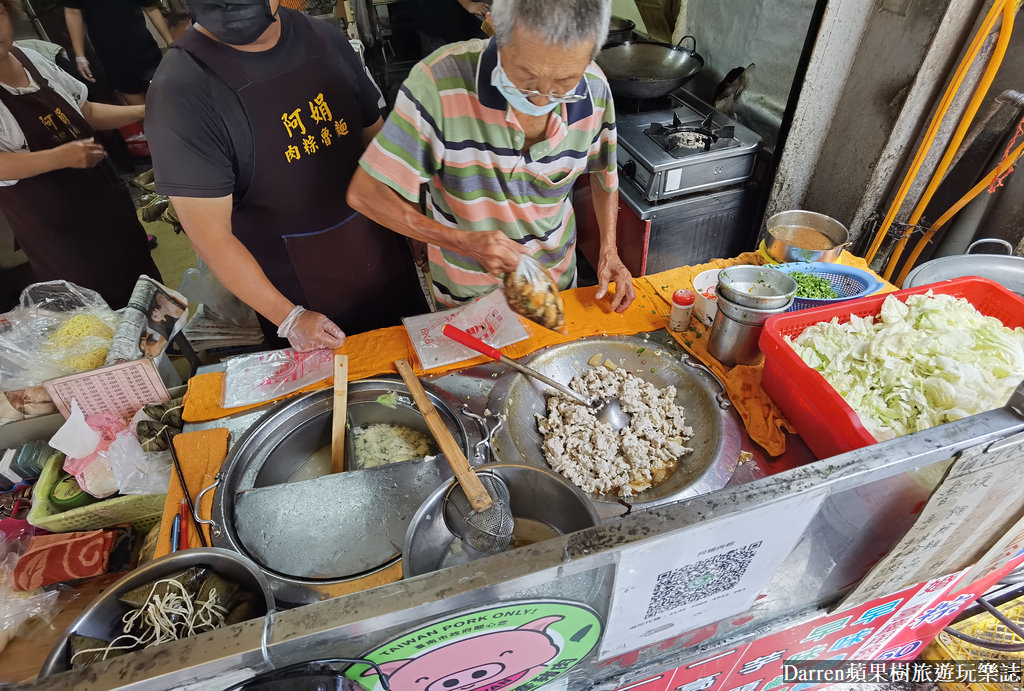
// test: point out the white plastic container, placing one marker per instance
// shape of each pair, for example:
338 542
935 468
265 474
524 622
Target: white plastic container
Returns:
705 309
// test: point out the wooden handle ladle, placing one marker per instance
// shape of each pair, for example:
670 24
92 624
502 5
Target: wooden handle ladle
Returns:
478 497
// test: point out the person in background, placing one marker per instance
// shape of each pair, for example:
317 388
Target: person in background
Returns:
498 132
68 211
439 22
257 119
118 31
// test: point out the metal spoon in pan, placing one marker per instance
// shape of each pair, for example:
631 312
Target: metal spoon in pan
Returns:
608 409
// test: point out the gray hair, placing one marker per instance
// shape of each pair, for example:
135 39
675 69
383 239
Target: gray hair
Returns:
559 22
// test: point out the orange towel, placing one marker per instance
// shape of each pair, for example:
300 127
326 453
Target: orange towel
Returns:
375 352
765 423
201 455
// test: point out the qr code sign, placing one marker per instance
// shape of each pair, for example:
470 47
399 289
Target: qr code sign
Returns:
700 580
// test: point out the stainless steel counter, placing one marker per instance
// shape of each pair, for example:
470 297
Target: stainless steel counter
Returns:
869 502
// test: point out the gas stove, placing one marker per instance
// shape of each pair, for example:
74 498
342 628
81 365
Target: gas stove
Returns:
688 148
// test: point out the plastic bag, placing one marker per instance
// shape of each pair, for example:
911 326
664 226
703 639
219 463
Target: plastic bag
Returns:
262 377
92 471
488 318
136 471
17 607
220 305
532 292
57 329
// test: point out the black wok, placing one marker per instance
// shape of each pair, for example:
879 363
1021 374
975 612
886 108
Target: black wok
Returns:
619 29
642 69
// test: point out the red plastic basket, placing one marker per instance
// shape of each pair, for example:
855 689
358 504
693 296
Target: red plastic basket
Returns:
824 420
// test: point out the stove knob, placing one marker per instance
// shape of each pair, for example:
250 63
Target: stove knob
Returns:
629 168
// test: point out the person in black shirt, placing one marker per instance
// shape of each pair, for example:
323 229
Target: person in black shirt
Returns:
440 22
256 121
118 31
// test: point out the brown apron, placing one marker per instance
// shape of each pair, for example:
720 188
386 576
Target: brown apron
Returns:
307 132
74 224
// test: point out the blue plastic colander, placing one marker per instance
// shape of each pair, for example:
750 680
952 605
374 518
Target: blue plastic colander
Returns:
849 282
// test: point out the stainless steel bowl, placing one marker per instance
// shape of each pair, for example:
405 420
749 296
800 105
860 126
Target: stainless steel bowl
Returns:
757 287
102 618
542 502
785 253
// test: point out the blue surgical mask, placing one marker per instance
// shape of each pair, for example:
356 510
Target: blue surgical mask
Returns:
515 99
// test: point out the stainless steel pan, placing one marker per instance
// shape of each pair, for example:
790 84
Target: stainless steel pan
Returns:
1007 270
647 69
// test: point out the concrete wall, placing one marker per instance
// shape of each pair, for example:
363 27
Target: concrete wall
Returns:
887 62
875 75
735 33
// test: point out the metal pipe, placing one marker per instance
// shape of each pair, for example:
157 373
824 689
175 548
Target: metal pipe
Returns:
933 129
1009 11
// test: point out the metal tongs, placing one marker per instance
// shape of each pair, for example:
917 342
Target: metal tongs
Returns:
608 410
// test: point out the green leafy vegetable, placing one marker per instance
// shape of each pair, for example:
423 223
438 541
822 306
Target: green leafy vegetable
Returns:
388 400
642 349
931 360
810 286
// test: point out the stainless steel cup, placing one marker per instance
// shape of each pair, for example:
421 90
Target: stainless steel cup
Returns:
736 330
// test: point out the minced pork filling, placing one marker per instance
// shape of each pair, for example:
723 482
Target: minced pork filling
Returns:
599 460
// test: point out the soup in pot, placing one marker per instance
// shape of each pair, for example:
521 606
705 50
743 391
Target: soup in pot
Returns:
803 237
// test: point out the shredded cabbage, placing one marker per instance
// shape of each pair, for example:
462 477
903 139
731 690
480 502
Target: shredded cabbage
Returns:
931 360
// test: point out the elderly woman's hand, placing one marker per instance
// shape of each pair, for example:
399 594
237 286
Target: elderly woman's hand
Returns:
610 268
494 251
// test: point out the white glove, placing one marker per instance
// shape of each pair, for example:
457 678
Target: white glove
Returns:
307 330
83 68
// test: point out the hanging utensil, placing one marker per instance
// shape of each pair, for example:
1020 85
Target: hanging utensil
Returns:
608 410
340 411
487 525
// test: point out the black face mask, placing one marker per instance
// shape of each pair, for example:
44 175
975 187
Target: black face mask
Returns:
235 22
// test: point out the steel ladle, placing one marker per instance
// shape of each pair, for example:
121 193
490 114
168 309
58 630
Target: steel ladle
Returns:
608 410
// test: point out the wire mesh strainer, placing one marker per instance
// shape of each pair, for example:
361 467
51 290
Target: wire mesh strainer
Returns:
849 282
488 531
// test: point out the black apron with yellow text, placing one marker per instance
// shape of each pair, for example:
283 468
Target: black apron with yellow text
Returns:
74 224
307 133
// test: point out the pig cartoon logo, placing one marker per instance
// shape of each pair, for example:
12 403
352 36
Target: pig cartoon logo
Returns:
488 662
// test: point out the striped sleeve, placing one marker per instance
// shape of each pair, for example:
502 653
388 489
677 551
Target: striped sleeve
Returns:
408 150
601 158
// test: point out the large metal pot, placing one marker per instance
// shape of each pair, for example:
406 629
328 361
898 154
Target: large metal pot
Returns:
716 431
785 253
648 69
1005 269
620 30
316 535
102 618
